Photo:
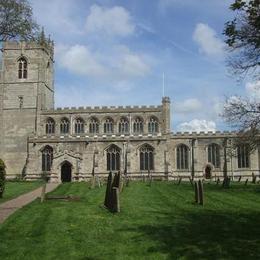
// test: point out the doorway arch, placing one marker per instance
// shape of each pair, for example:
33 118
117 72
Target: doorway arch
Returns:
66 172
208 171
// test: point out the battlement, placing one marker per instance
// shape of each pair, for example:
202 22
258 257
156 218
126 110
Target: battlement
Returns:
104 109
203 134
46 45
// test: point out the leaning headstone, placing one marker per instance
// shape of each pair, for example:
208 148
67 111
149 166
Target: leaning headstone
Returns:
253 178
239 179
196 190
201 193
108 196
246 182
218 181
191 181
115 196
180 179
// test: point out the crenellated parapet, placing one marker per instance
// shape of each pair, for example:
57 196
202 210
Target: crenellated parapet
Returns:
103 109
201 134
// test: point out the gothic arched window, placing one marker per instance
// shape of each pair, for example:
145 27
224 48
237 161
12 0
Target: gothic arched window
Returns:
146 158
47 157
79 126
138 125
153 125
108 126
123 126
214 155
93 126
113 158
22 68
243 156
64 126
182 157
50 126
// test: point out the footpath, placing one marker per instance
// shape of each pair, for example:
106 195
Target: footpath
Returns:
9 207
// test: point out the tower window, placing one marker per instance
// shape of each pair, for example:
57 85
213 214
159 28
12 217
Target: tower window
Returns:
22 68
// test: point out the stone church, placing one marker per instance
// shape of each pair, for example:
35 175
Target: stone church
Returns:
72 144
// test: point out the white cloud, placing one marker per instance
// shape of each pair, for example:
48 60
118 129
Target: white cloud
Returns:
197 125
253 90
118 62
111 21
78 59
208 41
188 106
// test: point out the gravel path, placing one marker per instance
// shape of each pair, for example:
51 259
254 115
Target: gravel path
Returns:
9 207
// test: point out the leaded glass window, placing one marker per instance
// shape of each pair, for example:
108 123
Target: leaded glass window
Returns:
113 158
108 126
47 157
214 155
138 125
123 126
153 125
93 126
64 126
50 126
182 157
22 68
146 158
243 156
79 126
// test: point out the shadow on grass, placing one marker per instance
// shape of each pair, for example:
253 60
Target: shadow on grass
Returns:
205 235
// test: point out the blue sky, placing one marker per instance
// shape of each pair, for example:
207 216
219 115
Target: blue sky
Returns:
115 53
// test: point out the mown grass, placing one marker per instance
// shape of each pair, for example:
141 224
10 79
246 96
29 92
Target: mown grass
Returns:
14 189
157 222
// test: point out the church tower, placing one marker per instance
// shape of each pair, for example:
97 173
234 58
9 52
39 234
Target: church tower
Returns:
26 88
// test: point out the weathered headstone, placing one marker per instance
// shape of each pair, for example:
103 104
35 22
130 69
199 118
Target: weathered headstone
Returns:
180 179
191 181
115 199
239 179
196 189
246 182
253 178
201 193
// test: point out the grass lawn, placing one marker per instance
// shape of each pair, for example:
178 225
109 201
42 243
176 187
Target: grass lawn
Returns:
14 189
158 222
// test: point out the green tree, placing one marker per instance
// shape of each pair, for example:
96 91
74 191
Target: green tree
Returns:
16 20
243 37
